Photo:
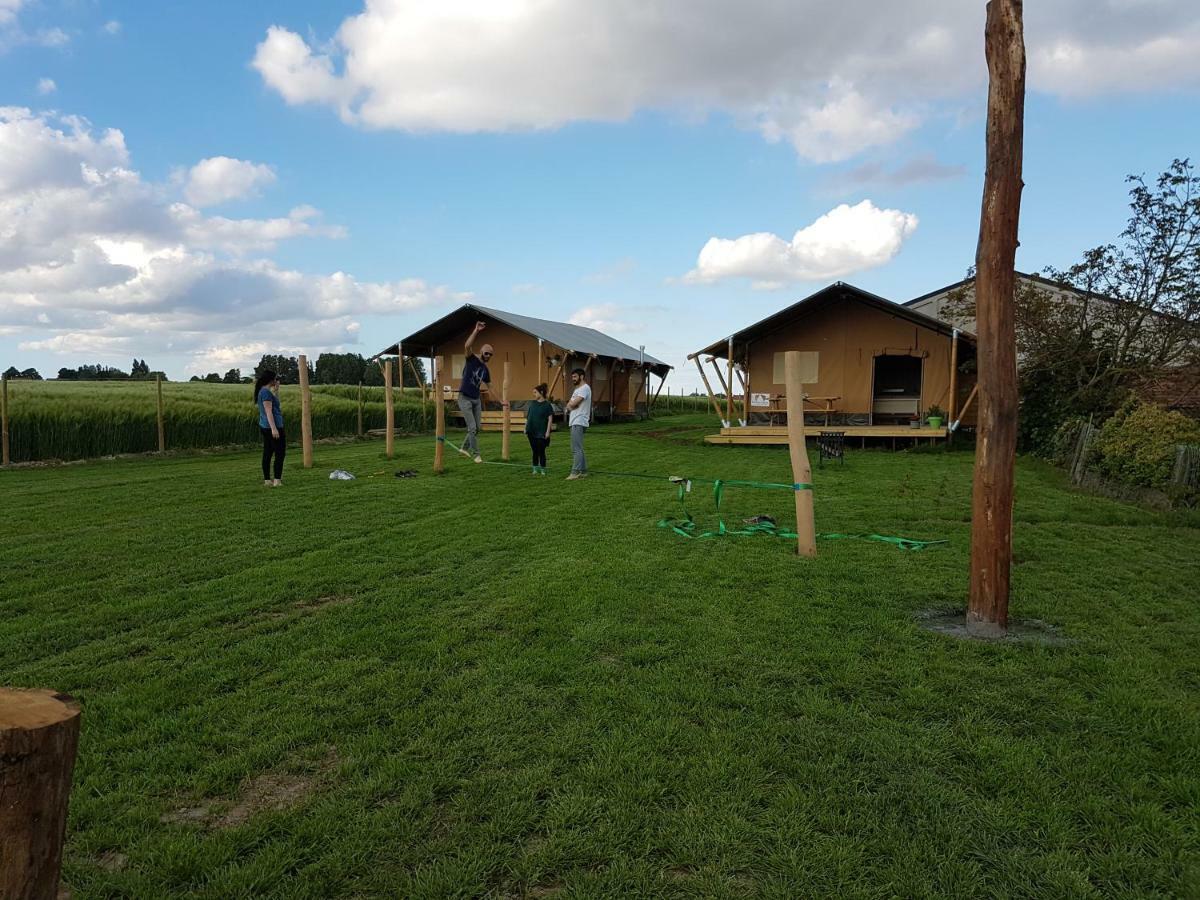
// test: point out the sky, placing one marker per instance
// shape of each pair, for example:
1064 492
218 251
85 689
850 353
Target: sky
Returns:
198 184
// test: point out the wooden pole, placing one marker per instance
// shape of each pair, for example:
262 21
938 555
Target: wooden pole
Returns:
162 433
995 452
5 460
729 378
806 537
746 386
708 387
505 445
389 405
305 414
952 406
39 737
439 417
360 409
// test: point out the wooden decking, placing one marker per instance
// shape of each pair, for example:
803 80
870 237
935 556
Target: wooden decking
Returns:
777 434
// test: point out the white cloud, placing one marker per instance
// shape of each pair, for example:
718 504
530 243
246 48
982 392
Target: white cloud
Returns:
9 10
94 260
221 178
606 317
46 86
112 27
832 79
846 239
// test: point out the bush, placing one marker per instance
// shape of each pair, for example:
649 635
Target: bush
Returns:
1137 445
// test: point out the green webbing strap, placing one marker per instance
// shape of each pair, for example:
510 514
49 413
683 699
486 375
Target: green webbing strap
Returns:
686 527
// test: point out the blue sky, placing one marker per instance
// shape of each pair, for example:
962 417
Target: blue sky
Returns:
565 160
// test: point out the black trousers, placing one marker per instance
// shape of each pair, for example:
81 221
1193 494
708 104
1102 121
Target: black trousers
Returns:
538 445
273 446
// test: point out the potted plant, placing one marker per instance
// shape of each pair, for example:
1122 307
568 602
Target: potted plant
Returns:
936 415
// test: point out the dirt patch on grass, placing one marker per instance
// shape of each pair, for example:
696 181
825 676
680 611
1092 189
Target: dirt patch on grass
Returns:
312 605
953 623
266 792
112 861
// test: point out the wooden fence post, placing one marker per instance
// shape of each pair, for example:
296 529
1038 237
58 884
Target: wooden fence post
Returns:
4 450
439 416
995 453
360 409
305 414
39 737
806 537
505 400
162 433
389 405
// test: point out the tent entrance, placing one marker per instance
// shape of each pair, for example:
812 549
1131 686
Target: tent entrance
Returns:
897 393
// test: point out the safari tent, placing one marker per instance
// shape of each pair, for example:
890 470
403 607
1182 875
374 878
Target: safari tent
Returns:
539 350
871 368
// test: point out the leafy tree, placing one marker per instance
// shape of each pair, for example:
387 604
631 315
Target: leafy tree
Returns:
1119 319
139 369
233 376
65 374
286 367
213 378
30 374
12 372
195 378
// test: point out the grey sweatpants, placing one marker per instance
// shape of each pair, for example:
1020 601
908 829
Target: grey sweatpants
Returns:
471 410
578 460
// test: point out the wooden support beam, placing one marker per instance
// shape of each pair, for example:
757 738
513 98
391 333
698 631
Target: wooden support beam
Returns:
39 737
412 364
654 402
806 537
729 389
995 449
439 418
557 375
306 449
952 406
389 406
745 377
708 387
965 407
507 406
162 431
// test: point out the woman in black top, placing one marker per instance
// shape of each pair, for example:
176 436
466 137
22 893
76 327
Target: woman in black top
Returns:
538 416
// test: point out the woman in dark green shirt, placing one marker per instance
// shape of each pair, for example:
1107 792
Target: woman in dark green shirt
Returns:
538 416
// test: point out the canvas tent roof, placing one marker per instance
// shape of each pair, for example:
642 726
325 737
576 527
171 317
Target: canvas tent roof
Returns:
573 338
839 292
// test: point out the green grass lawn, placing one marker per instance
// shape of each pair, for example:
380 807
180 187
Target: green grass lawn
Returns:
490 684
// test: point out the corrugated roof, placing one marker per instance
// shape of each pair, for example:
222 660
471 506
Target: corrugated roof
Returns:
573 338
833 293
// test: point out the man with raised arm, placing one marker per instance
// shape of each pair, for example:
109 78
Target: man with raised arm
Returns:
475 379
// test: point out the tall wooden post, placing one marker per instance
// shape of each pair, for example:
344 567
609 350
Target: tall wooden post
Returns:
360 409
4 450
806 537
992 496
746 386
162 432
505 402
389 405
39 737
952 405
305 414
439 417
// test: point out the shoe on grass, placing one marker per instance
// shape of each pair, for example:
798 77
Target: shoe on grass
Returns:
574 476
466 453
478 458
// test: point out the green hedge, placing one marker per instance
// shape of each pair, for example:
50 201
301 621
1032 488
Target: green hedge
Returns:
1138 444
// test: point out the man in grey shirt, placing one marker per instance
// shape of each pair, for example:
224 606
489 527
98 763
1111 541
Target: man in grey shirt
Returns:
579 410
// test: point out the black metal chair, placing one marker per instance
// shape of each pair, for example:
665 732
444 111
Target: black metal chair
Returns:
832 445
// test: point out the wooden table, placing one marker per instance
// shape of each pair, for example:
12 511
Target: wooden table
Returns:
778 407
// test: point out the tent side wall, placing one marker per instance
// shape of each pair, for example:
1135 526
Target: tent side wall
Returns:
846 337
527 366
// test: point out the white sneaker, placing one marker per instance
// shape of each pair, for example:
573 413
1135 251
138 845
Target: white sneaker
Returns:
478 458
574 476
466 453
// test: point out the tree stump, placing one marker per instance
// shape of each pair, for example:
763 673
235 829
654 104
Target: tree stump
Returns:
39 735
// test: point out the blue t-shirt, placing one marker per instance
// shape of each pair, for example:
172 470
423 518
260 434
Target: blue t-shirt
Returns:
265 395
474 372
